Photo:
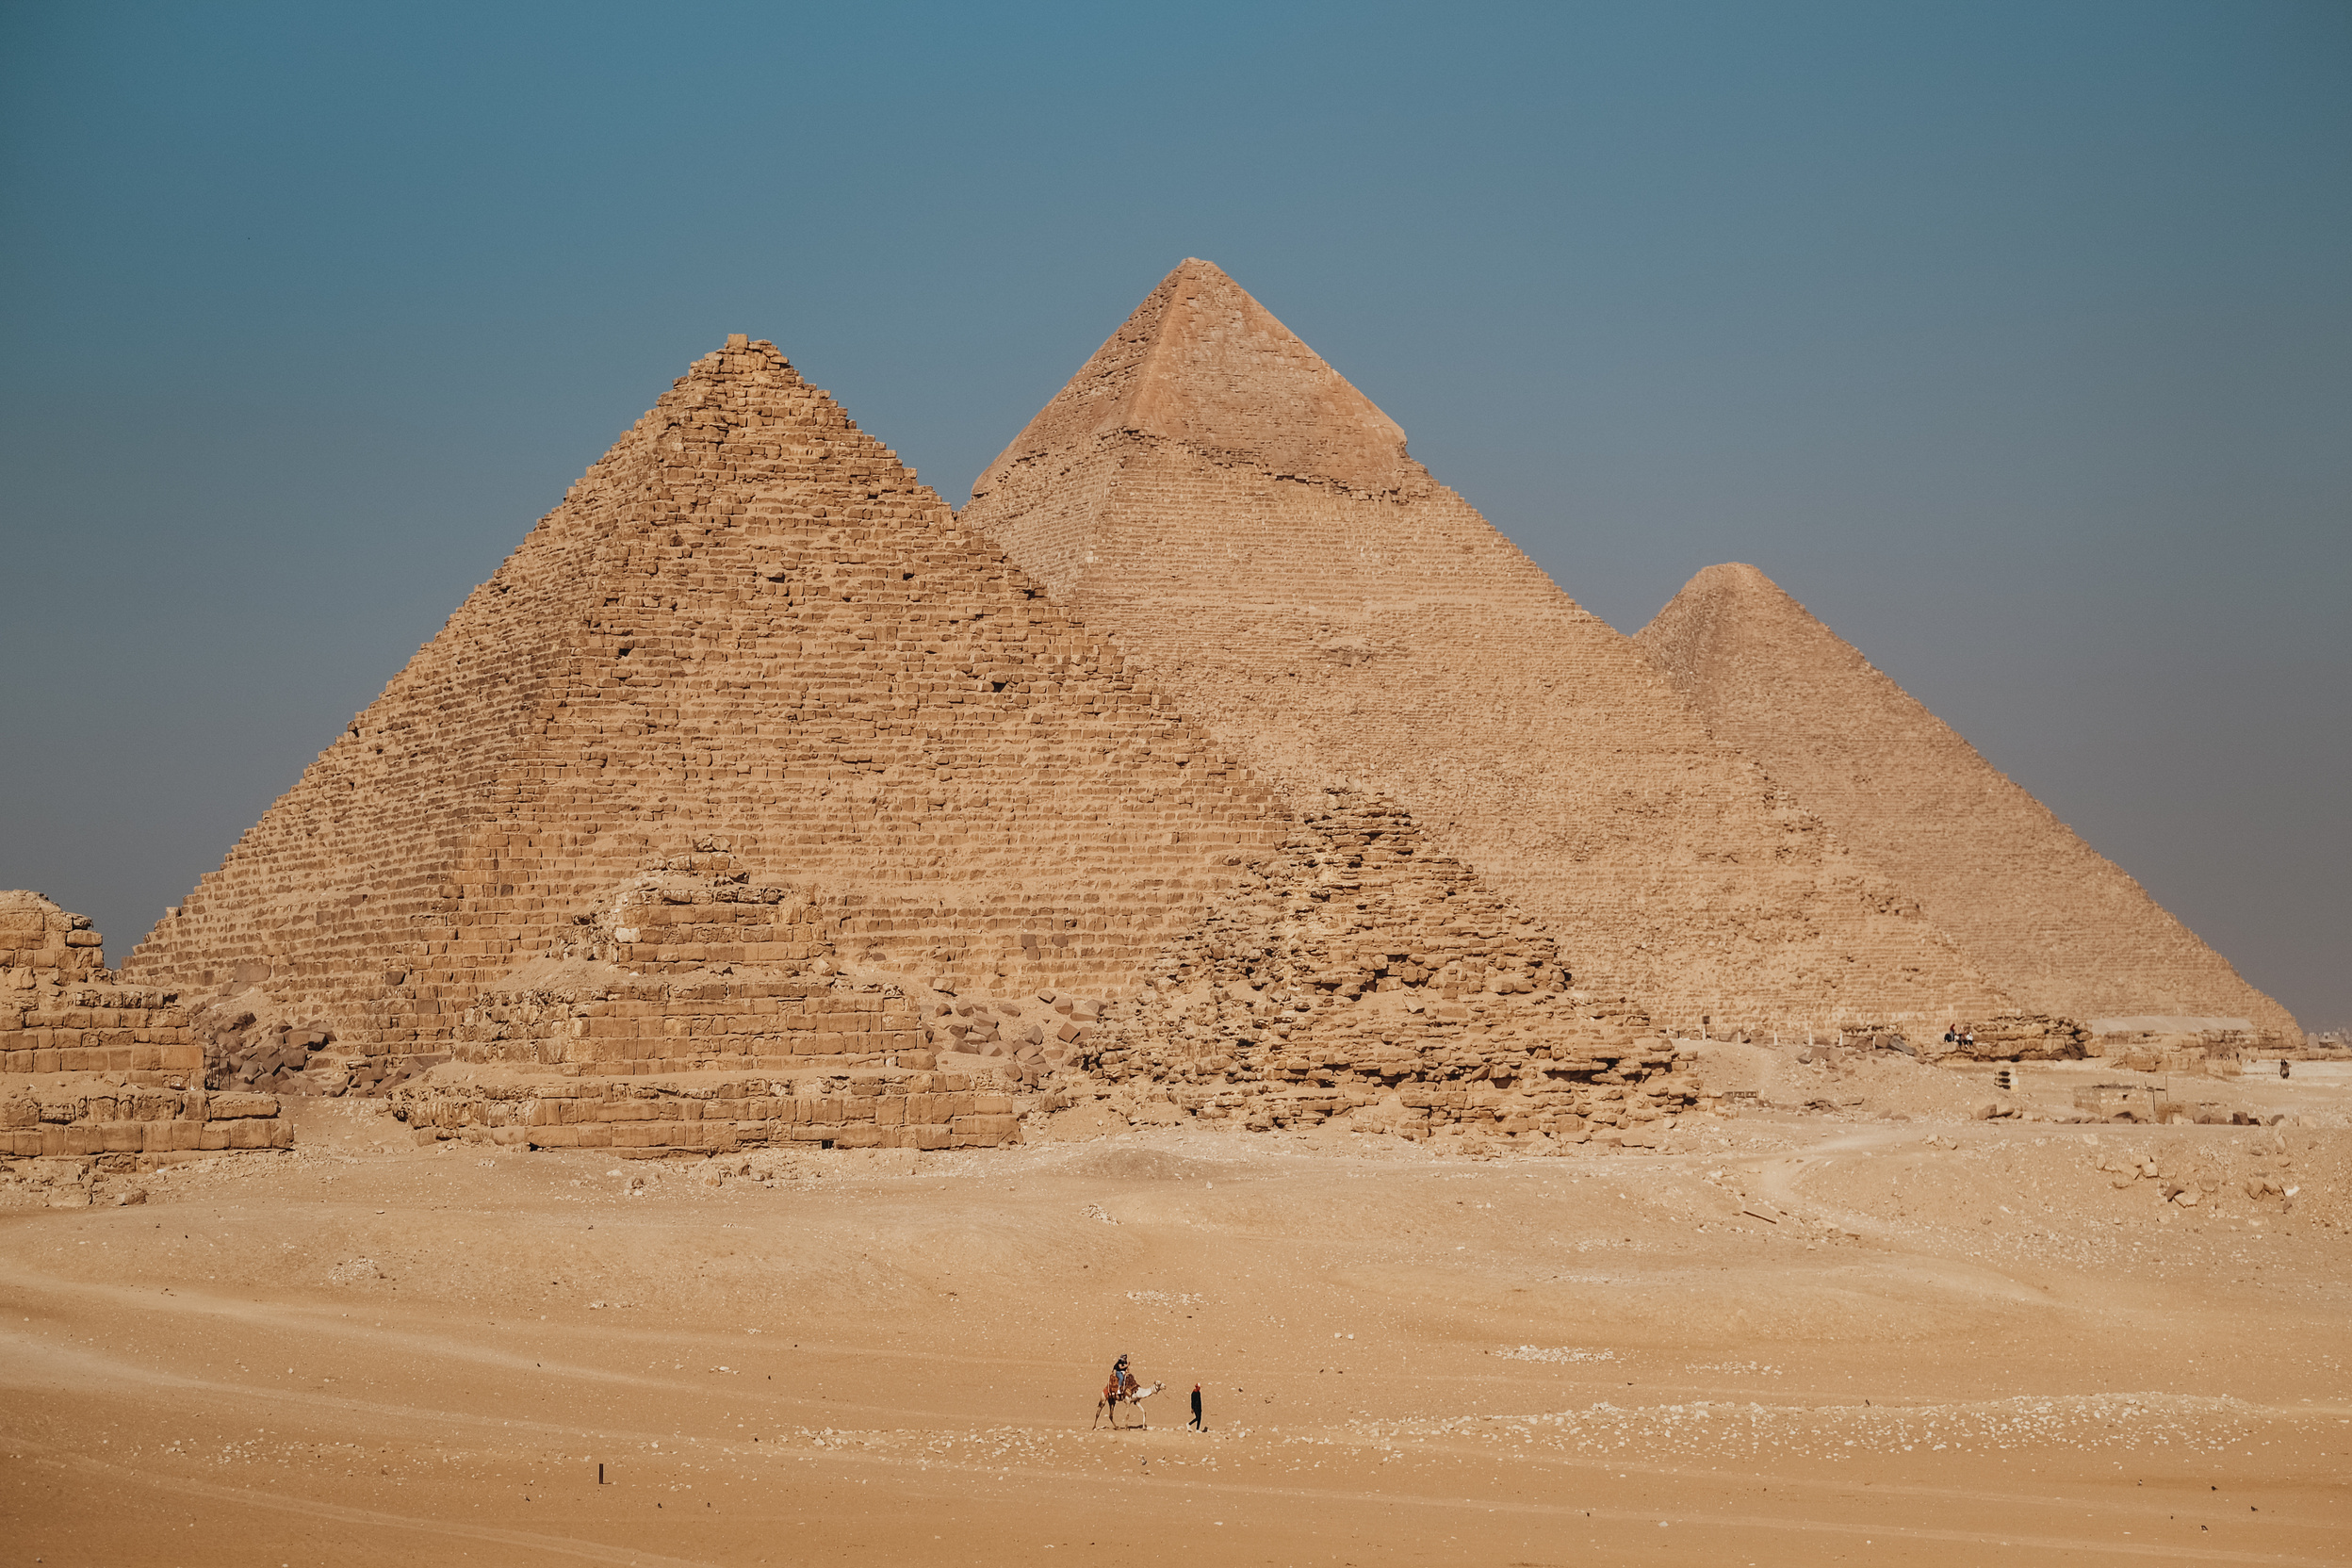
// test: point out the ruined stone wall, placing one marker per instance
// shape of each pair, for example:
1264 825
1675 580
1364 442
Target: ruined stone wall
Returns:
705 909
49 944
720 1114
1254 531
650 1027
93 1069
748 627
63 1011
142 1126
2057 926
2017 1038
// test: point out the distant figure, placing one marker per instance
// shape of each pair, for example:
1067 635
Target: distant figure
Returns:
1196 1409
1952 1035
2282 1067
1123 1390
1967 1040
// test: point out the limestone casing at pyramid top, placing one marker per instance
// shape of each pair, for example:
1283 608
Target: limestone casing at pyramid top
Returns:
2047 916
1202 362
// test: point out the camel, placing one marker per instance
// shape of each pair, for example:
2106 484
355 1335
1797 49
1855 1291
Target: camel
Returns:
1114 1396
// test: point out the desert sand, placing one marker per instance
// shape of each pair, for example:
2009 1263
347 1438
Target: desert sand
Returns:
1790 1336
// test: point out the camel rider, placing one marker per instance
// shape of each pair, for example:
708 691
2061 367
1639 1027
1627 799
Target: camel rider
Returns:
1122 1380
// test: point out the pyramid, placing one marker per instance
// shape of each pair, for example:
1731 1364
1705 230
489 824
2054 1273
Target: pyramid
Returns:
1253 531
2055 924
751 651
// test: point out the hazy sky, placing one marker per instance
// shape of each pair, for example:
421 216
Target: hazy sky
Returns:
2015 341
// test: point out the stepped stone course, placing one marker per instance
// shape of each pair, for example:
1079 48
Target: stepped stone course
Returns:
1256 534
2058 926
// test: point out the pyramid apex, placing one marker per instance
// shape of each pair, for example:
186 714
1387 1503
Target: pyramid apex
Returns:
1202 362
1712 589
1730 577
742 343
1728 604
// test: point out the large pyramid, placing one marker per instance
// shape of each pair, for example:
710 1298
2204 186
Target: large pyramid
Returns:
1253 531
2056 924
748 649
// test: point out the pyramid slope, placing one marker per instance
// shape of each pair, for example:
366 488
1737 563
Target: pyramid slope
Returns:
2049 918
748 630
1383 635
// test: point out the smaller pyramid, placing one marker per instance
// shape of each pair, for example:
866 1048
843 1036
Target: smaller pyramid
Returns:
2058 926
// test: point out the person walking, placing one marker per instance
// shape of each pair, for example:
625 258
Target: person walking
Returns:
1196 1409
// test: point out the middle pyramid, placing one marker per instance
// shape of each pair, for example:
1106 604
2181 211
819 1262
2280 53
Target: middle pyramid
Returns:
1253 529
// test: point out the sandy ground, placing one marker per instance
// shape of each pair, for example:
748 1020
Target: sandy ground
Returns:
1792 1338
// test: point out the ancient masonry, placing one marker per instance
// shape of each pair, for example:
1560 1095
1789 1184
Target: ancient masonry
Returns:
700 1010
748 632
754 801
2048 919
96 1071
1256 533
1359 973
757 801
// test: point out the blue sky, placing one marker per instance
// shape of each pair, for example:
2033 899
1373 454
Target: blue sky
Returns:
2014 340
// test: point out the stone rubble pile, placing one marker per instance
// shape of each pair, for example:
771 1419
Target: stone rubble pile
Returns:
1360 975
2263 1174
1033 1035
